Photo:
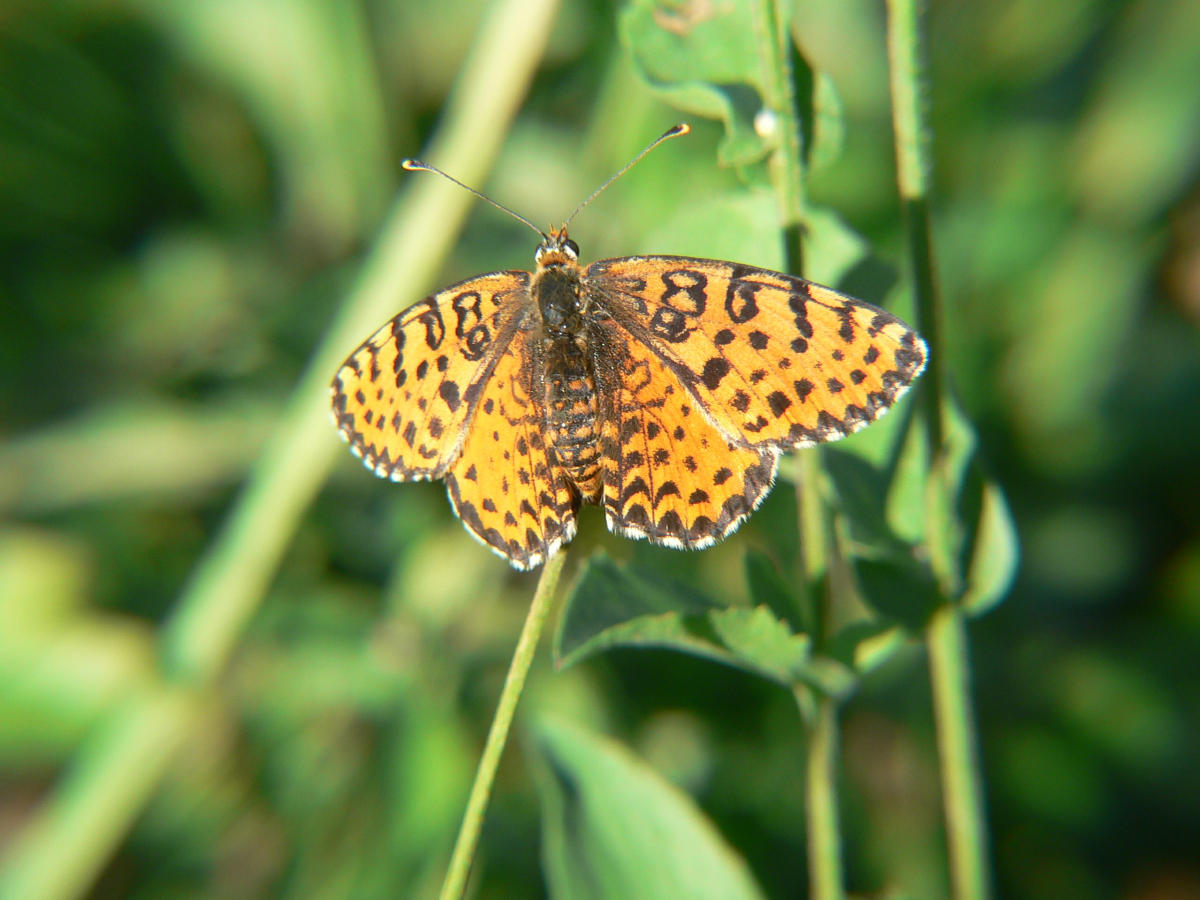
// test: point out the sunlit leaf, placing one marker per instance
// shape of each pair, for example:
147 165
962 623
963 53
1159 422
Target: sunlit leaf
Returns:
612 827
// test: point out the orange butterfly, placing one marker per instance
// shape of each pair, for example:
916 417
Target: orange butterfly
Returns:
661 387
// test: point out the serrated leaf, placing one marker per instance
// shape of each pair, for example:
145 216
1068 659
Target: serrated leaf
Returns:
760 642
613 827
615 606
609 597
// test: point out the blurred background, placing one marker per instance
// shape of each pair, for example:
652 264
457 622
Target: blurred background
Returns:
187 193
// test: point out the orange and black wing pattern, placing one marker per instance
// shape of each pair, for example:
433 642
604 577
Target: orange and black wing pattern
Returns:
403 400
503 484
669 475
771 359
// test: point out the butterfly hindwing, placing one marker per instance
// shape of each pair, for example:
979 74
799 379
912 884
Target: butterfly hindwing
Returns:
503 484
772 359
402 400
669 475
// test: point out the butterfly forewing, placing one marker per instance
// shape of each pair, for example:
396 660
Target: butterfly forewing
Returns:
403 399
770 358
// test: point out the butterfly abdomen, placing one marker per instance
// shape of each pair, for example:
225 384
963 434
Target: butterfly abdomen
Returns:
570 400
571 415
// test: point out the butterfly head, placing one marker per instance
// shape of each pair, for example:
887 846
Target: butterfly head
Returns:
556 249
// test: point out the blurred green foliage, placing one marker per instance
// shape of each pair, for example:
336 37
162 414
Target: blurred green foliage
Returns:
186 190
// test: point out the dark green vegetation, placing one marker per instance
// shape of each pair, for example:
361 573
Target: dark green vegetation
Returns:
189 193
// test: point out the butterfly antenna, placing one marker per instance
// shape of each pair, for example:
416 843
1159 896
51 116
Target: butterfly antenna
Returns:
415 165
680 129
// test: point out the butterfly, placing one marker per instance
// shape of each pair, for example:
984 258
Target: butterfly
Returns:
662 388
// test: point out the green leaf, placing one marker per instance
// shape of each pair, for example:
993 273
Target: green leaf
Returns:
832 248
829 123
733 224
702 59
900 589
866 644
607 597
989 553
767 586
612 827
707 59
615 606
918 530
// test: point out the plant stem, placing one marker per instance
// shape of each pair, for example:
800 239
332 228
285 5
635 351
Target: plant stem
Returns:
945 635
824 833
788 172
914 166
961 788
485 775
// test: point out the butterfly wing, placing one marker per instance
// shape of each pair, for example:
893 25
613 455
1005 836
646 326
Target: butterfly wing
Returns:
771 359
669 475
503 485
404 398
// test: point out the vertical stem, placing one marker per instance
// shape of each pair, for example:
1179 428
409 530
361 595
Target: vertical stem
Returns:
962 787
824 832
789 176
914 165
455 884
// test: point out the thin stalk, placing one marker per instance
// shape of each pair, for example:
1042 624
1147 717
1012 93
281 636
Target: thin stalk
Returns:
962 785
463 856
788 171
75 832
789 174
824 833
914 174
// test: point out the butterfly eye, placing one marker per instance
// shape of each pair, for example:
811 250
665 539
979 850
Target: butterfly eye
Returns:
571 247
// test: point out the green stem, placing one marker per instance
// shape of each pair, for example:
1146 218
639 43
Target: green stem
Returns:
914 165
824 833
789 176
485 775
779 97
961 787
75 832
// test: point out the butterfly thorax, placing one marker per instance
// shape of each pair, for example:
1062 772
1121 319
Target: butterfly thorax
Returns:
570 386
